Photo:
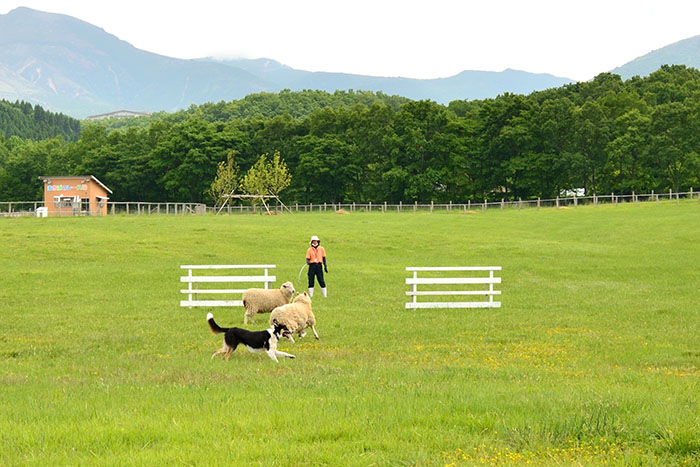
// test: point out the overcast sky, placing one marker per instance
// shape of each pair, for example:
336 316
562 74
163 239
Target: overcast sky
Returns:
415 39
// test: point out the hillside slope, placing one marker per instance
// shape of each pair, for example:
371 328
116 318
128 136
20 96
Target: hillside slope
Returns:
685 52
70 66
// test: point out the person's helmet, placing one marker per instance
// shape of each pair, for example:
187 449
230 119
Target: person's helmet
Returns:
314 237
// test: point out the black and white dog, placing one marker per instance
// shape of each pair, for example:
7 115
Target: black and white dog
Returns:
255 341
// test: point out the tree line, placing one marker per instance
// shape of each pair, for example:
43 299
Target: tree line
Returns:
29 121
605 135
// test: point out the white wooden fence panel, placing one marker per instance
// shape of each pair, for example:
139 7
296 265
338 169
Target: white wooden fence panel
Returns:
192 282
415 281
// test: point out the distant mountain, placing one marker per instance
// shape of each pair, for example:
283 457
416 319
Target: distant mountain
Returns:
685 52
70 66
466 85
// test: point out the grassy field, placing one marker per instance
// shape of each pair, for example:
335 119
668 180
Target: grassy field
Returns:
593 358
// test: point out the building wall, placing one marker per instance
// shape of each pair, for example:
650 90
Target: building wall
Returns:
84 188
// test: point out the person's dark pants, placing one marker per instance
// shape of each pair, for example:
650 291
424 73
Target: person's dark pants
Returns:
316 270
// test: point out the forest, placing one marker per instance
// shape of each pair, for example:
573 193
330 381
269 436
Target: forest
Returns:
605 135
29 121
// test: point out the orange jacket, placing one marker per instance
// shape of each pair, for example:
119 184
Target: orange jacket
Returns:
315 255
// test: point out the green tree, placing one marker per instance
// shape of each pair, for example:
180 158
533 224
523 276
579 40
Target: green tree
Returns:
226 181
267 178
591 137
672 135
625 168
324 168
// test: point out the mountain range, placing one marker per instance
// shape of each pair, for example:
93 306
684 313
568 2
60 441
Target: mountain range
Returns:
685 52
70 66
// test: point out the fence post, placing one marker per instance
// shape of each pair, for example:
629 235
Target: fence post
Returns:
538 203
415 206
557 201
575 200
400 206
595 200
501 204
520 203
431 206
415 286
189 285
469 204
483 207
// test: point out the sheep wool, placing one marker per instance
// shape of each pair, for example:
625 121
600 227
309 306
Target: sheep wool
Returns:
265 300
296 316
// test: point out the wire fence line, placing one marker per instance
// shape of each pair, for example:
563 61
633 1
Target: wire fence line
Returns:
134 208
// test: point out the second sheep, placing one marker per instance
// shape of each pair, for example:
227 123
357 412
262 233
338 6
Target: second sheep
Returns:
265 300
296 316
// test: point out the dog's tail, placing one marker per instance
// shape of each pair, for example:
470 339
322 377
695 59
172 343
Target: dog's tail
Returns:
215 328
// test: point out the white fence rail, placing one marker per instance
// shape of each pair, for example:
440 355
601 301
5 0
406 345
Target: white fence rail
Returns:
28 208
470 206
486 282
194 282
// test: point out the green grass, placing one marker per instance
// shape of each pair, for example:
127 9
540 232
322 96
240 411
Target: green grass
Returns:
593 357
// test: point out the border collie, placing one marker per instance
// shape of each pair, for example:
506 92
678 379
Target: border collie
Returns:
254 341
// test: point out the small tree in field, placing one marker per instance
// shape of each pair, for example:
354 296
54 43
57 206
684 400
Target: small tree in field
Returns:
226 181
267 177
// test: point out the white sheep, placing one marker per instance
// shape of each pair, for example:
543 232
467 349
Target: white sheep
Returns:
265 300
296 316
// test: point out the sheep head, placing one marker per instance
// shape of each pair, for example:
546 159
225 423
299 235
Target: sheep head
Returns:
302 298
287 289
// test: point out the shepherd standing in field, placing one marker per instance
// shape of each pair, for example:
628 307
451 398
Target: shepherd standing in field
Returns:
316 259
